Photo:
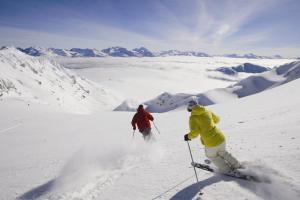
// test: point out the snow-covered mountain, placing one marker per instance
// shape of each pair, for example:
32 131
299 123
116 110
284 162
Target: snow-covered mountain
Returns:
78 52
246 68
124 52
74 52
142 52
37 85
118 52
37 51
252 56
33 79
248 86
182 53
58 52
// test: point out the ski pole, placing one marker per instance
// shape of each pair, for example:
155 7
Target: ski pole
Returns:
156 127
192 160
133 133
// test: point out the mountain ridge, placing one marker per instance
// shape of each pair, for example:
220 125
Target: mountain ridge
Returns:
118 51
37 79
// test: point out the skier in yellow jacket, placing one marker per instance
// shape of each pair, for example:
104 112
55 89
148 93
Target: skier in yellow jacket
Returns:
203 123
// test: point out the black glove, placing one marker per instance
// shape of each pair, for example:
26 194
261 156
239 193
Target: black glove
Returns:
134 128
186 137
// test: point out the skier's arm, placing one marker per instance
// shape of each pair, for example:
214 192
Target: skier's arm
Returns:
149 116
215 117
193 129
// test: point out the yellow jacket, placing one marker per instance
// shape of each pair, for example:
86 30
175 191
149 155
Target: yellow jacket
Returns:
203 123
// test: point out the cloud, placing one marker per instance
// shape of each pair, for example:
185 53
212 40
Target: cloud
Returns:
225 28
218 21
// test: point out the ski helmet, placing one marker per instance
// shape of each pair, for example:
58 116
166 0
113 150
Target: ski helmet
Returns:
192 103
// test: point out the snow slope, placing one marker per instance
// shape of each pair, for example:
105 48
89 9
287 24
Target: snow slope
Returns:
248 86
45 154
141 79
48 152
34 79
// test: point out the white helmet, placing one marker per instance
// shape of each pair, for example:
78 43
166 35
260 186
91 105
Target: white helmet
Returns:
192 103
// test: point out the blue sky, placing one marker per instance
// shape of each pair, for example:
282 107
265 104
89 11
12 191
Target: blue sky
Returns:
265 27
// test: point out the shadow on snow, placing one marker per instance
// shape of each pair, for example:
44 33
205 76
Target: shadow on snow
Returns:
192 190
37 192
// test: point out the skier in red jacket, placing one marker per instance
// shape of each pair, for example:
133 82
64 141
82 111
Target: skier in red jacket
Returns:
142 120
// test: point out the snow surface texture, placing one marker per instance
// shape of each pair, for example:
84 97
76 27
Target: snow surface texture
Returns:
51 155
33 79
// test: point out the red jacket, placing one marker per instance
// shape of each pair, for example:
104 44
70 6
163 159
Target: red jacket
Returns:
141 119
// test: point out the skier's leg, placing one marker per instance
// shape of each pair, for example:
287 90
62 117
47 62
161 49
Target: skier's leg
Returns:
148 136
232 161
151 136
219 162
145 135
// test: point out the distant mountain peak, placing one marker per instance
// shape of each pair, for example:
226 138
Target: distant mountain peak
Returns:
118 51
86 52
246 68
142 52
252 56
33 51
174 52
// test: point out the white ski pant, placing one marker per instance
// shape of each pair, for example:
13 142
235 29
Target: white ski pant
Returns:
221 158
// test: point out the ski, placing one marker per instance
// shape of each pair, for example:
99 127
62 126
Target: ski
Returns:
236 174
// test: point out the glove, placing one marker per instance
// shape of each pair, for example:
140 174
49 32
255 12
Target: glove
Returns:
134 128
186 137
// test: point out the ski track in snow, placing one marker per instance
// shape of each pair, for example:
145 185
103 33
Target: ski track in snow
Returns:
89 190
90 171
10 128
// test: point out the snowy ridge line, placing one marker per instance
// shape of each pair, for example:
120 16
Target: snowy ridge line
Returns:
39 80
118 51
248 86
